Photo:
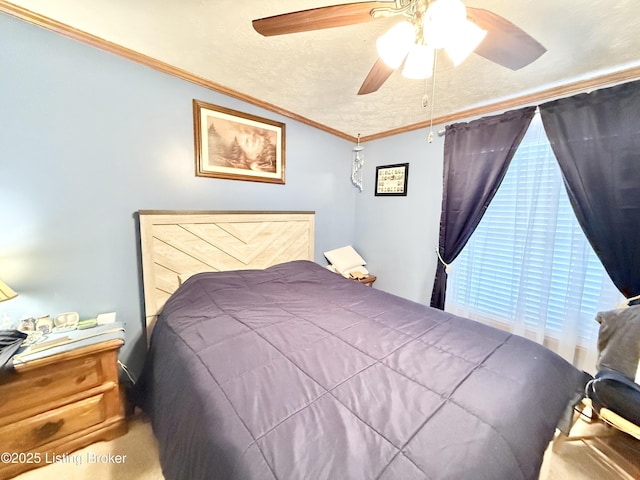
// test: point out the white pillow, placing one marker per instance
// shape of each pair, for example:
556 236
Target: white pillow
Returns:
344 258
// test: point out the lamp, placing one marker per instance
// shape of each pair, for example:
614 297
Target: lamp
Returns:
419 62
394 45
444 25
460 46
442 20
434 25
6 293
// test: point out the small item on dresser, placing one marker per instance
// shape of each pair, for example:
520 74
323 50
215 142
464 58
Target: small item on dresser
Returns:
106 318
6 322
44 324
65 322
87 323
33 337
10 343
27 324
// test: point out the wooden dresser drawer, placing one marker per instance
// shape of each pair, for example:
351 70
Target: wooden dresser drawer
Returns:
28 390
52 425
60 403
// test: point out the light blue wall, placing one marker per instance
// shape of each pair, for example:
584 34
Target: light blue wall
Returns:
398 235
88 138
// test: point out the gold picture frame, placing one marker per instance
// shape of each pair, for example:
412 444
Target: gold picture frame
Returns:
391 180
237 146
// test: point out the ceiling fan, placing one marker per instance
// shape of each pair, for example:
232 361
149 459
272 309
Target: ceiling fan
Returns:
431 25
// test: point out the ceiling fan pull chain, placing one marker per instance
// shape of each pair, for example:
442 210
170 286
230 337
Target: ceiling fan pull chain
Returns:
425 97
433 96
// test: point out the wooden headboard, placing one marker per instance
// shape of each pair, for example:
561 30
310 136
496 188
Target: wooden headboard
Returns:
177 244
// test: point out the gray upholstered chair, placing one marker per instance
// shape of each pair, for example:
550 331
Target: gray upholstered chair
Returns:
614 395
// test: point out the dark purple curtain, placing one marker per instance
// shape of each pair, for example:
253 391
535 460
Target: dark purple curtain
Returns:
476 157
596 139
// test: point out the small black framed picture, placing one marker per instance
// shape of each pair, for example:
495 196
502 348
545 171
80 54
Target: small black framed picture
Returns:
391 180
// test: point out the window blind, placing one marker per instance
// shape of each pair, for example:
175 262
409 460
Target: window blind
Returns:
528 262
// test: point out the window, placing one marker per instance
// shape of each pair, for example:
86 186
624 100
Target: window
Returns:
528 265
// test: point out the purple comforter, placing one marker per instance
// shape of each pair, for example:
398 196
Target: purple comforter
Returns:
294 372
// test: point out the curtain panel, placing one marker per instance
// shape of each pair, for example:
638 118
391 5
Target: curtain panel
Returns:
476 157
528 267
596 140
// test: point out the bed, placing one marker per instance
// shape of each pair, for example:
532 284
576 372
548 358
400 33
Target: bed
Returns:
289 371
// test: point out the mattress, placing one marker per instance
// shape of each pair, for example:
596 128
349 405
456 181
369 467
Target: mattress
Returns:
294 372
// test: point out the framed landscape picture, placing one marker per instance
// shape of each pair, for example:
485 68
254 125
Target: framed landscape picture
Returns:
391 180
237 146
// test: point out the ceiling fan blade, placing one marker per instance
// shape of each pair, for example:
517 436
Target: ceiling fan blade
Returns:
317 18
377 76
505 43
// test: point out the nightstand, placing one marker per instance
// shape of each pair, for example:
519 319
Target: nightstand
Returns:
58 404
368 280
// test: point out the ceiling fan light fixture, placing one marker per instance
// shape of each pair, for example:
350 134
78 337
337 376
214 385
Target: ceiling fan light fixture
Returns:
419 62
466 39
394 45
441 20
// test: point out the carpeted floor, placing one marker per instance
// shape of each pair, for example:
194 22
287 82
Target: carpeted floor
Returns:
604 453
574 460
141 461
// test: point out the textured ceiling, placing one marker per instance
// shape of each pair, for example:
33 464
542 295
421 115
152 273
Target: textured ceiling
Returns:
316 75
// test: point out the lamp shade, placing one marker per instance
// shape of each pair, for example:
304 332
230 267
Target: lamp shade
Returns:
442 21
394 45
467 38
419 62
5 292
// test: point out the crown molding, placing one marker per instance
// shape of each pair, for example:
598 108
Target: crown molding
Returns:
105 45
534 98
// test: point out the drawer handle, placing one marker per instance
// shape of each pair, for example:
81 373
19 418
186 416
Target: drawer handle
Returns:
43 382
49 429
